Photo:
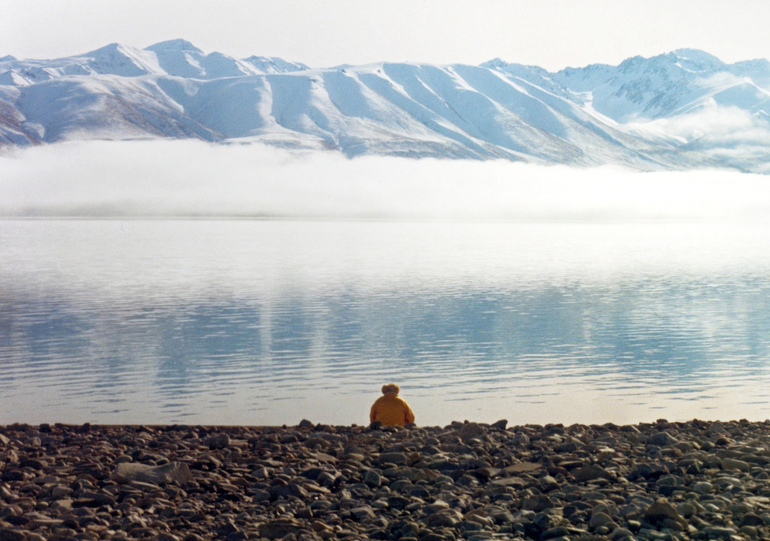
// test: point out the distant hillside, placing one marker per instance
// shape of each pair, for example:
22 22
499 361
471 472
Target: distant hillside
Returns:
680 110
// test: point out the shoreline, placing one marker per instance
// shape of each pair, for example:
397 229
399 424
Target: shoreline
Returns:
474 481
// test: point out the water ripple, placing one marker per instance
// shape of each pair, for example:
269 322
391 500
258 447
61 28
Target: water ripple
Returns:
196 322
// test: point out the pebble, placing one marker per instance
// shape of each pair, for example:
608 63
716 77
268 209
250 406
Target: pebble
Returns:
312 482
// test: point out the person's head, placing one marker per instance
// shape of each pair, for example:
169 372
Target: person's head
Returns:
390 388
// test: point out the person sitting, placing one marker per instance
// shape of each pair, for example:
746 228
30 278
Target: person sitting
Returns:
390 409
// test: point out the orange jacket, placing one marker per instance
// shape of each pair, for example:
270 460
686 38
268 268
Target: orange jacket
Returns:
391 410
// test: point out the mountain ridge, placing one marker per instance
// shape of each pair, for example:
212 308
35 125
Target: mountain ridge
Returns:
679 110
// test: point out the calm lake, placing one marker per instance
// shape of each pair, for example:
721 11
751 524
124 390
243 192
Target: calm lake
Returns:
269 322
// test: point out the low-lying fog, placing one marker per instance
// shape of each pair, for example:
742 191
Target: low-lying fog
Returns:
191 178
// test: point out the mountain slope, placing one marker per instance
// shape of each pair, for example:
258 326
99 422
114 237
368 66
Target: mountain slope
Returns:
674 111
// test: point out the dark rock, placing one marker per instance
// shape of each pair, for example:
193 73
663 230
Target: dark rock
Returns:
569 447
467 481
399 459
398 502
469 526
662 439
716 532
313 473
471 431
559 531
445 465
667 490
573 508
500 516
619 534
286 491
227 528
220 441
591 472
447 518
543 521
32 463
13 475
601 519
537 503
362 514
259 495
8 534
750 519
661 510
419 492
647 471
304 512
372 479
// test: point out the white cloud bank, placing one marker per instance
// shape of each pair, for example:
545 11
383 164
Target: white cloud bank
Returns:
190 178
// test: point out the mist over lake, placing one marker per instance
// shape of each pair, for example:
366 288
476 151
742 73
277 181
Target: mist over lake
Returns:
196 179
184 282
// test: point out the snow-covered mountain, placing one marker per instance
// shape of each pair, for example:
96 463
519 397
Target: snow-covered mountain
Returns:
678 110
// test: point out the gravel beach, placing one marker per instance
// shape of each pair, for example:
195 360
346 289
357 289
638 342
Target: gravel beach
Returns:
474 481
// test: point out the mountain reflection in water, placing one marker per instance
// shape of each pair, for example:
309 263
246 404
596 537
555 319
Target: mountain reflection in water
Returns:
244 322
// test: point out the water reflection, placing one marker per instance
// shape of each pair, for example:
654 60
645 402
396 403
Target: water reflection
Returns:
270 322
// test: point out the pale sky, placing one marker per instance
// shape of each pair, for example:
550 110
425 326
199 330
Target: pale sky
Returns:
321 33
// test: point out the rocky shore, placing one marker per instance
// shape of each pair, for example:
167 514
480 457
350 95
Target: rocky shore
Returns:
657 481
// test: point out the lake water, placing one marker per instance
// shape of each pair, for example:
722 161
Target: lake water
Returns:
270 322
